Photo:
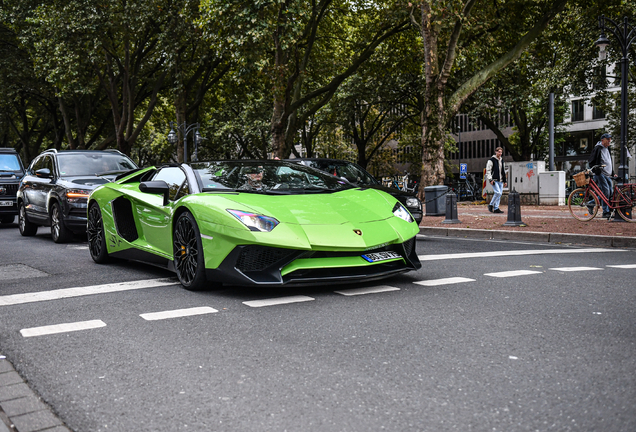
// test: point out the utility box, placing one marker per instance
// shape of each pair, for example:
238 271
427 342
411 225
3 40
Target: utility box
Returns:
523 177
435 197
552 188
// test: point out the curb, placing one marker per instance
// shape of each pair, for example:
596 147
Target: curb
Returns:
585 239
21 410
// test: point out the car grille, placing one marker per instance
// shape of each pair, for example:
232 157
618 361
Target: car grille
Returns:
262 263
259 258
11 189
77 212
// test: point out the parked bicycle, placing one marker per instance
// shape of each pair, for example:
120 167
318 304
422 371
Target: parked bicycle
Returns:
468 189
584 202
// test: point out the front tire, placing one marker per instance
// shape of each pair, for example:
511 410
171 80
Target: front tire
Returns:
27 229
59 232
96 236
188 253
583 204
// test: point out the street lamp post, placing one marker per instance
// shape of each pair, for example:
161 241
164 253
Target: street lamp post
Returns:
185 129
625 34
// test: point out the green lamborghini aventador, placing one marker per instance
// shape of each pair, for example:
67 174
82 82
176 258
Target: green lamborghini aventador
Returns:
251 222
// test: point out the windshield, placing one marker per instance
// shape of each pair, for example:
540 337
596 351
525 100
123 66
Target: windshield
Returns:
267 176
347 170
9 162
78 164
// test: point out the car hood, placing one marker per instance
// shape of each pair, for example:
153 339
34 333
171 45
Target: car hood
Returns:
87 182
355 205
361 218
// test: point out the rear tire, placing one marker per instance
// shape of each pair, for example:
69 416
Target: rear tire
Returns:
189 263
583 204
627 212
96 237
27 229
59 232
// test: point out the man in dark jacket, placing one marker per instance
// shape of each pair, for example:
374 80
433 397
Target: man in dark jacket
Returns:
603 175
496 175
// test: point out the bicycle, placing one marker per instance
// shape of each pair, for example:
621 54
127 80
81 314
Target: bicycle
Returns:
584 201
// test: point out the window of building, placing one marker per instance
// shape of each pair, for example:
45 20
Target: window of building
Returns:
577 110
597 113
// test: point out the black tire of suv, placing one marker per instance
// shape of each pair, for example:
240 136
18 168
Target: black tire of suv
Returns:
27 229
59 232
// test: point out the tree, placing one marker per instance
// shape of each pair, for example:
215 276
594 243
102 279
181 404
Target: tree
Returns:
116 45
491 37
28 109
304 49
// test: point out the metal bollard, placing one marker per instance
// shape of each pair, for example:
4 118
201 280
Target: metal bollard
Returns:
514 210
451 209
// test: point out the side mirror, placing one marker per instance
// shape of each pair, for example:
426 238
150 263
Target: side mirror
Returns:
43 173
156 187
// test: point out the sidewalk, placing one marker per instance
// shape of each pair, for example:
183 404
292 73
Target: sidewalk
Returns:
548 224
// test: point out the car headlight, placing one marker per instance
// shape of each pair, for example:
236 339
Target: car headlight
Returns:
77 195
413 203
402 213
255 222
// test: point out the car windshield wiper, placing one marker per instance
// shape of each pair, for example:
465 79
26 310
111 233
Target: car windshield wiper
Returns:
106 173
312 189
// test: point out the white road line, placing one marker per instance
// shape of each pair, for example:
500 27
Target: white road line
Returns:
177 313
573 269
445 281
370 290
512 273
62 328
511 253
623 266
15 299
277 301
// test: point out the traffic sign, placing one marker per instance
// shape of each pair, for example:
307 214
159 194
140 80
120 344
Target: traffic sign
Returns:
463 169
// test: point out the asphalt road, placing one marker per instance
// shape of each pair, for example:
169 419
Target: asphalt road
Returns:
541 349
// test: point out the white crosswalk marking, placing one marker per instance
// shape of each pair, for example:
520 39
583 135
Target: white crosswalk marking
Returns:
62 328
15 299
177 313
277 301
573 269
623 266
438 257
445 281
370 290
512 273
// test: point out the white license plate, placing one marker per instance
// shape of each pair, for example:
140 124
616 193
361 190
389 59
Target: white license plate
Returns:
6 203
381 256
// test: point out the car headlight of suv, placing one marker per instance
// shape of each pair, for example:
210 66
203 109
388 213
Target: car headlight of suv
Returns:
255 222
402 213
413 202
77 195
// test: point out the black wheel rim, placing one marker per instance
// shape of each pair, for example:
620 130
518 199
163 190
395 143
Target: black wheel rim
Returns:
186 253
95 231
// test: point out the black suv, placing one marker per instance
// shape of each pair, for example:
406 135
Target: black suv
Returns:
11 172
357 175
54 192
